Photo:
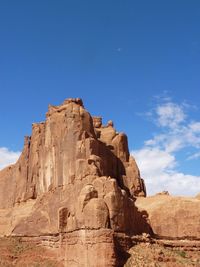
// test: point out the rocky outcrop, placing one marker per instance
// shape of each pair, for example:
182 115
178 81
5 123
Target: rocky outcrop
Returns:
172 217
68 147
76 188
75 178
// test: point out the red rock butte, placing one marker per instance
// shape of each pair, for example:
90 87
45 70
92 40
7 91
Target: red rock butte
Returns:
75 187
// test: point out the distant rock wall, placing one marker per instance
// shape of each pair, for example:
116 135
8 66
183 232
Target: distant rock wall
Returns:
172 217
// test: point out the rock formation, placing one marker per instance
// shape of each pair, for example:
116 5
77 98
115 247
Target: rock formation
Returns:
172 217
75 178
76 188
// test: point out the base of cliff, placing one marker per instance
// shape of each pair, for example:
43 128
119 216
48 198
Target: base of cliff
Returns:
145 251
158 255
14 252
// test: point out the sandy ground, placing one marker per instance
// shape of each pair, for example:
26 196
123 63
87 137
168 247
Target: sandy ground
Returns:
154 255
15 253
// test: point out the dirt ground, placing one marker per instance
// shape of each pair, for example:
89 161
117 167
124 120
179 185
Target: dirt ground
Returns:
15 253
154 255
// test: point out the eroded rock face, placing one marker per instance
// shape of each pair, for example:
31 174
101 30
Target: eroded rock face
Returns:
66 148
76 182
79 177
101 250
172 217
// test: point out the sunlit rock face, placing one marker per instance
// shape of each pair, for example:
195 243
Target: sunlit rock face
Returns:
76 187
64 150
172 217
76 178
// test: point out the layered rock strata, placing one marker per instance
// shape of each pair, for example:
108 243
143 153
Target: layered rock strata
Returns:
75 188
76 178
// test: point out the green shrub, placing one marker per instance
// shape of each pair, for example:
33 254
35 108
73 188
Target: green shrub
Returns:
181 253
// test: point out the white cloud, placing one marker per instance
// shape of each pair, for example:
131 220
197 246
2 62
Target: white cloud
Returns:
154 161
7 157
195 127
177 131
157 158
158 168
170 114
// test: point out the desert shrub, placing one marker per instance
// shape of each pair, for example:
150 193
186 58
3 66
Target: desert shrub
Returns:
181 253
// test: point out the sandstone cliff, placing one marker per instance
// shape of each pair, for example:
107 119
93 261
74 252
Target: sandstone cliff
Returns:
170 217
64 150
76 178
75 188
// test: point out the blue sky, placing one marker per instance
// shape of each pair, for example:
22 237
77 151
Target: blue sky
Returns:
135 62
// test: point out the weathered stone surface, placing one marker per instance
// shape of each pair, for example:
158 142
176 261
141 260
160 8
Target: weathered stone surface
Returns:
96 214
76 187
92 248
198 196
172 217
80 179
65 148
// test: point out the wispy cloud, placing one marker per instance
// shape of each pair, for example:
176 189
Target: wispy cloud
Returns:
194 156
119 49
7 157
157 158
176 129
170 115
